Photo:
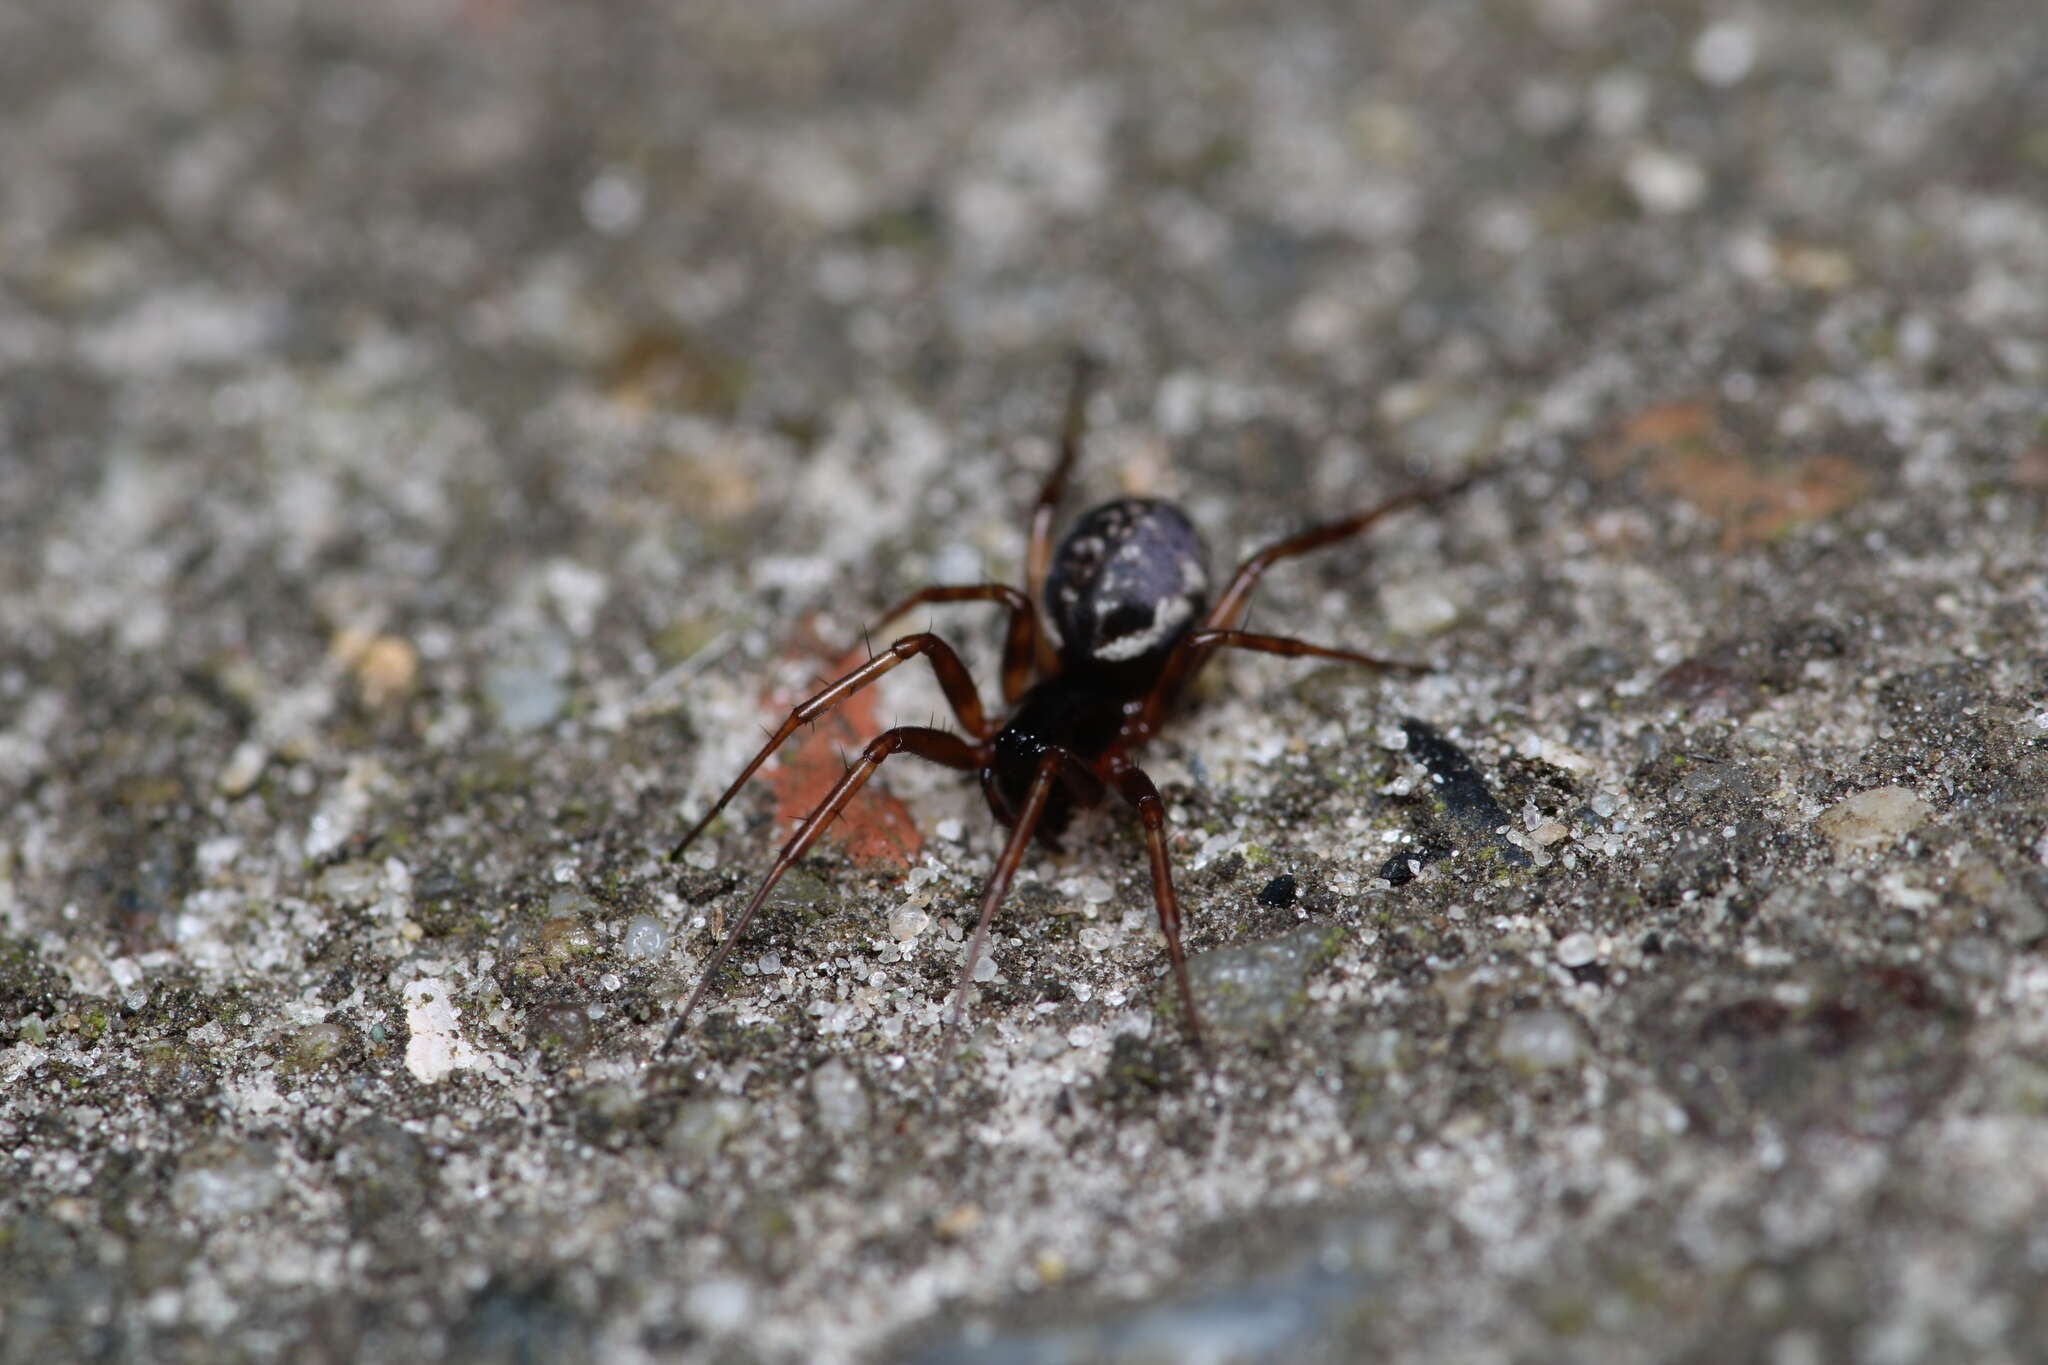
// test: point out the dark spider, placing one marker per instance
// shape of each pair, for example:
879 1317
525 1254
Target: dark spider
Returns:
1128 591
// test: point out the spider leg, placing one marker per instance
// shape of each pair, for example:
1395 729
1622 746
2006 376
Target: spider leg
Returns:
1020 644
940 746
1038 555
998 886
1295 649
1135 787
1229 608
1199 646
954 679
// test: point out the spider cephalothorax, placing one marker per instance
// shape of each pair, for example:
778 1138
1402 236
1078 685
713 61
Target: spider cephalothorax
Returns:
1128 593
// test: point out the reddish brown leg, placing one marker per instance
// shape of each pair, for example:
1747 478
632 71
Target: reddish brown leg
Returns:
999 886
1020 645
937 745
953 678
1295 649
1199 646
1136 788
1038 556
1229 608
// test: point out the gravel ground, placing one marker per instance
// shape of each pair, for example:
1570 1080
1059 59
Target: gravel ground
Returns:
436 436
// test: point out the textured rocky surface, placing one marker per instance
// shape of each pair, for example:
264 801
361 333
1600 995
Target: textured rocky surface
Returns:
436 434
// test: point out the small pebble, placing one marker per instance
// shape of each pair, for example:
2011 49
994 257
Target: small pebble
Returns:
1725 52
720 1305
907 923
957 1223
614 201
1576 950
436 1047
226 1178
645 937
1540 1040
1873 820
385 667
703 1125
1665 182
527 683
316 1046
242 769
561 938
352 884
1279 893
841 1099
1417 608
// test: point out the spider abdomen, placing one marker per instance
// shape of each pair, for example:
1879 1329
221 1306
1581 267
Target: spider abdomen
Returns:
1129 580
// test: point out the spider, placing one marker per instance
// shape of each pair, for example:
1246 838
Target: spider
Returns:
1128 594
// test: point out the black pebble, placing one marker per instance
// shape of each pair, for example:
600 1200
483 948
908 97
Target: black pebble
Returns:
1279 892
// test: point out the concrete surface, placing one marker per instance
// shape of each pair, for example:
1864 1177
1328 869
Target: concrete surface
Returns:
436 434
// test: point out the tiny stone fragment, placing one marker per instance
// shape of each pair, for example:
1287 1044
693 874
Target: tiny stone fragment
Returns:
1540 1040
1417 608
1279 893
1576 950
1665 182
315 1046
720 1305
556 941
645 937
842 1101
436 1047
703 1125
1725 52
242 769
957 1222
385 666
226 1178
352 884
527 683
1873 820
